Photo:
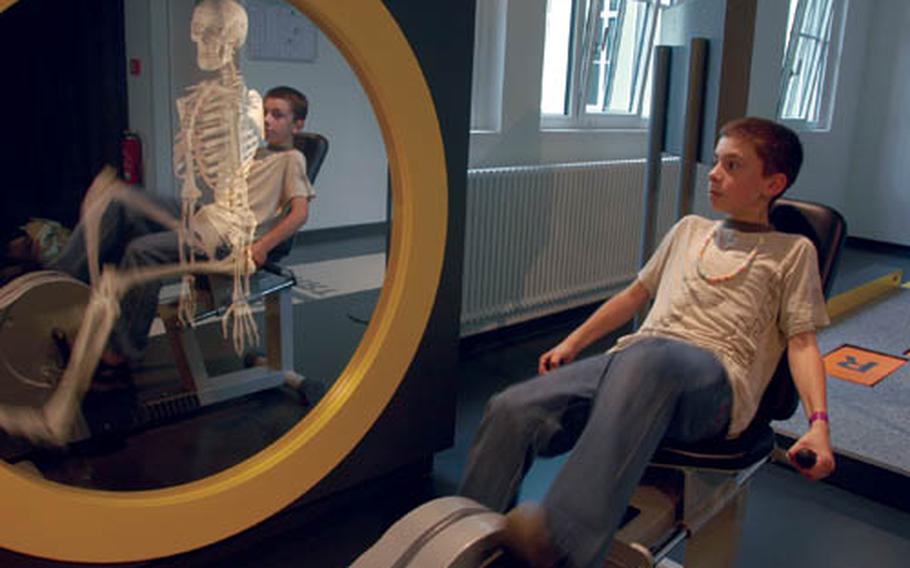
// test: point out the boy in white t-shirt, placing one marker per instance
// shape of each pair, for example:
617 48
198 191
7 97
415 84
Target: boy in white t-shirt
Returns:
728 297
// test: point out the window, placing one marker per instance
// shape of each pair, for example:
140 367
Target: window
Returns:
597 56
810 62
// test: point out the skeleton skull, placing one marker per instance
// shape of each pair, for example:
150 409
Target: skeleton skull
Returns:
218 28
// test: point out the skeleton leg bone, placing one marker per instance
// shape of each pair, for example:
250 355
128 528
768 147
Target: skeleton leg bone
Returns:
52 423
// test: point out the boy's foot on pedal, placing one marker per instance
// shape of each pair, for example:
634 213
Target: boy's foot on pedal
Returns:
527 537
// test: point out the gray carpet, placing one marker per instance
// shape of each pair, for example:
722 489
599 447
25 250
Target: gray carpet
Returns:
872 423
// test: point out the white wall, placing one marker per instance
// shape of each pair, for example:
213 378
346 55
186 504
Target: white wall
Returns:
767 52
352 184
149 92
878 200
351 187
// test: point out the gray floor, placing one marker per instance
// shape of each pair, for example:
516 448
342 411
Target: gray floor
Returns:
793 522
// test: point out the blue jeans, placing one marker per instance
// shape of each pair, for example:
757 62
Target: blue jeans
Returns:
612 411
127 239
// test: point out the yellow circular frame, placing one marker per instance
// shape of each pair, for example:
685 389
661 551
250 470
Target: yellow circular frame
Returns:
49 520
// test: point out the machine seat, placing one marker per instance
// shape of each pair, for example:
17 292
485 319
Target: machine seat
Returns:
752 446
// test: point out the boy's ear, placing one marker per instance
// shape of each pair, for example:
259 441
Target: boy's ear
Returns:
777 183
297 127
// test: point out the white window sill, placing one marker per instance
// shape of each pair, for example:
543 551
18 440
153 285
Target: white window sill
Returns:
592 130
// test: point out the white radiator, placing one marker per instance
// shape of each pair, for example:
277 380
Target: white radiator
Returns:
541 239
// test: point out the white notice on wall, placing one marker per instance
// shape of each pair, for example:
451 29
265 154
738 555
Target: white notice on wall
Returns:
279 32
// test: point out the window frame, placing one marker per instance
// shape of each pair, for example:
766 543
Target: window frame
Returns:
576 116
827 93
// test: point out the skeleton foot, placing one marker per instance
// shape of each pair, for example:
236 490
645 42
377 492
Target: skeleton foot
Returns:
31 424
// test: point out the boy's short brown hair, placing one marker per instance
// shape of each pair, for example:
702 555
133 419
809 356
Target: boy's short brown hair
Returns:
297 100
777 146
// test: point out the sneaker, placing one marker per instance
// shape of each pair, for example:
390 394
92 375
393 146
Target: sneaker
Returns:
527 538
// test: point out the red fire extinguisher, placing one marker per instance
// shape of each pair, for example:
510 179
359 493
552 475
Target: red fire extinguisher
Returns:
131 150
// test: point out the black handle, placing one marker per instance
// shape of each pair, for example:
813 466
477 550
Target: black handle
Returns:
272 267
805 458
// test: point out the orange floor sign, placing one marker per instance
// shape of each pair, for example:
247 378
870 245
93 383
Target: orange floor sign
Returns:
862 366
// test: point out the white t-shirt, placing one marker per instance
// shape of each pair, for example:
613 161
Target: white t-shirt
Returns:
276 176
738 294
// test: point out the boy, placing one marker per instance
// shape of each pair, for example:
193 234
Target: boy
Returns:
277 182
285 113
728 298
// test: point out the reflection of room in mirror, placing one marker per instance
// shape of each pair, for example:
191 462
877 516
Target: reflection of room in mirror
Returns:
220 130
338 271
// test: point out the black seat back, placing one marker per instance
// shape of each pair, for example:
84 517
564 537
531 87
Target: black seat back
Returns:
314 147
827 230
825 227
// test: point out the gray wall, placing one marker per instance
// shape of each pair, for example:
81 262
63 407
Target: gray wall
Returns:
878 199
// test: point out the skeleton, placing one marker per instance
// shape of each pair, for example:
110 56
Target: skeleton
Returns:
220 129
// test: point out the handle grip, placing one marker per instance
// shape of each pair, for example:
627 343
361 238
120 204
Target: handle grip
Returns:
805 458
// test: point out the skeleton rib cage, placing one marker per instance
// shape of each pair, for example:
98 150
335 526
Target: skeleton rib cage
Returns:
221 127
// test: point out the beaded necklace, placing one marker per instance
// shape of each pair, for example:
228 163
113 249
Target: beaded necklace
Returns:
731 275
